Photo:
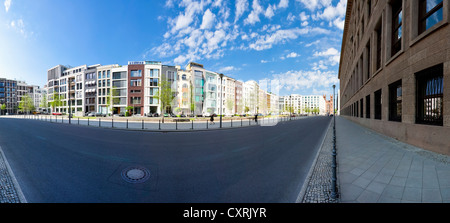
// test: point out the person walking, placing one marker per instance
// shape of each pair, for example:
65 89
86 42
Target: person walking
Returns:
212 120
256 118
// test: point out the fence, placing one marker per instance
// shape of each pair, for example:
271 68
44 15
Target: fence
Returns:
157 124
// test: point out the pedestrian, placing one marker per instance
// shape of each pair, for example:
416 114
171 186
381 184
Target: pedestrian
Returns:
256 118
212 120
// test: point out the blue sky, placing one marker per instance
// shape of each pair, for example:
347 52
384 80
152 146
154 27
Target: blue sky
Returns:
295 43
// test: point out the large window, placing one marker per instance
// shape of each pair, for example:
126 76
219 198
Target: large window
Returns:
396 35
430 13
136 73
378 102
361 114
379 33
135 100
395 101
368 106
135 83
430 96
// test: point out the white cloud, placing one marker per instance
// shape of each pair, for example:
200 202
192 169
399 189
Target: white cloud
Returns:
241 7
290 17
305 23
313 5
332 54
19 26
7 4
303 16
270 11
280 36
208 20
292 55
297 80
334 14
253 17
227 69
283 4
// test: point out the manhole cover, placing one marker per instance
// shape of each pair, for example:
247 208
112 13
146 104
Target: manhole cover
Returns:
135 174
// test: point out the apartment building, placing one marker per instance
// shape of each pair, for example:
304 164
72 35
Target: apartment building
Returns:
110 89
8 95
119 89
395 70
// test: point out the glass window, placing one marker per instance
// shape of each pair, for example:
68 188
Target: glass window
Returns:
108 74
395 101
135 83
430 96
136 73
396 35
430 13
377 97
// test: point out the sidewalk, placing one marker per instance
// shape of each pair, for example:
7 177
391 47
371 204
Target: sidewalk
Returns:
373 168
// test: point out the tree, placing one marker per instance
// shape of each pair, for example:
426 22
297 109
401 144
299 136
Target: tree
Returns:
56 101
247 109
128 109
2 108
111 100
26 104
44 102
230 104
165 96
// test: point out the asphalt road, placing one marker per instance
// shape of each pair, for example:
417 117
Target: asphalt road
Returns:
57 163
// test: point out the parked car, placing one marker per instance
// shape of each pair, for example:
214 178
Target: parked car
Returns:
91 114
98 114
183 115
122 114
173 115
56 113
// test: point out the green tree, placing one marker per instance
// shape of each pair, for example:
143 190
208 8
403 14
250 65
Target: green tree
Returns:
165 96
230 104
247 109
44 102
56 103
26 104
128 109
2 108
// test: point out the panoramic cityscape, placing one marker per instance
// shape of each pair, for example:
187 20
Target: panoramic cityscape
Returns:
227 101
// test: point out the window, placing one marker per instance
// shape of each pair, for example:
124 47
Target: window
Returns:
430 13
153 82
378 102
135 100
136 73
395 101
368 106
183 77
396 35
103 75
361 112
108 74
368 60
379 33
430 96
135 83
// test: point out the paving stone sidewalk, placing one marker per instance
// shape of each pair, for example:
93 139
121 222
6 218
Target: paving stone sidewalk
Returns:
318 188
9 193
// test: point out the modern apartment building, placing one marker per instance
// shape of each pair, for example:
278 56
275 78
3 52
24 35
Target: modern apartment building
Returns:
8 95
110 89
395 70
119 89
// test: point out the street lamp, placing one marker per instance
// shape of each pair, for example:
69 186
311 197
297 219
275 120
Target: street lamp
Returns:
70 108
221 102
334 164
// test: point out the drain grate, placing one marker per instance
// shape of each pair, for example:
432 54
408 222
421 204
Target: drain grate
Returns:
135 174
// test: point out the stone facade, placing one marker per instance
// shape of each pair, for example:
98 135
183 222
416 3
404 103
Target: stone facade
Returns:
383 44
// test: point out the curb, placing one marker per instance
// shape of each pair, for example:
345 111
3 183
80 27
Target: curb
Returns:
16 185
311 170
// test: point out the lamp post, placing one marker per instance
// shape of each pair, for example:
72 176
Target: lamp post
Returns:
334 165
221 92
70 107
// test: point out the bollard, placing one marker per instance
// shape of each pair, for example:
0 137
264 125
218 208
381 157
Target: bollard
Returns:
142 123
192 125
127 123
112 123
241 122
78 121
99 122
176 124
159 124
88 121
207 124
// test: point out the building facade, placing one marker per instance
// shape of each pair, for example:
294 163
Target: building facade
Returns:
395 70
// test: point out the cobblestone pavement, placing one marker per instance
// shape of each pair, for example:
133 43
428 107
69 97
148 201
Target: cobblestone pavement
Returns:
8 191
318 189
